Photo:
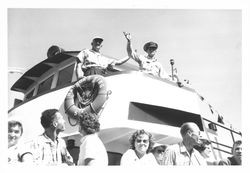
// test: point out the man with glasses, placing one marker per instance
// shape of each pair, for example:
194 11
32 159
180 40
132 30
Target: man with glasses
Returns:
91 61
147 63
184 152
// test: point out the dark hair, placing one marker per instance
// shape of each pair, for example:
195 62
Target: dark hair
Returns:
13 123
89 123
203 145
138 133
236 143
48 117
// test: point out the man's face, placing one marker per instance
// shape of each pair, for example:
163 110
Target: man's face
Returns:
151 51
96 45
59 121
195 136
142 143
159 154
237 151
14 134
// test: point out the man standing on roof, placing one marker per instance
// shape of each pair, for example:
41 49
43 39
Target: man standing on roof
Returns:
147 63
91 61
184 153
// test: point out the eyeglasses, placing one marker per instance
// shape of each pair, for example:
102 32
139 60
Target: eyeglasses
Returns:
139 141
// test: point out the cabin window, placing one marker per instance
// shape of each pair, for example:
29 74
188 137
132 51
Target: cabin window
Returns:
45 85
162 115
30 94
65 75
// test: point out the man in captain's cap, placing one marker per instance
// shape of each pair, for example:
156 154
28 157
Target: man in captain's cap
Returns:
91 61
147 63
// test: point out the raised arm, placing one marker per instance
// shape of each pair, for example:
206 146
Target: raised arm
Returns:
131 53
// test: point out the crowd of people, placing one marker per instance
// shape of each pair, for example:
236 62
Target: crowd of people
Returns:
49 149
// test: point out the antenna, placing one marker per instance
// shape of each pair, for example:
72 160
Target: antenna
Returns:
172 68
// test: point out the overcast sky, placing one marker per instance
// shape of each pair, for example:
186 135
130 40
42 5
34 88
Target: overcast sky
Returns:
205 44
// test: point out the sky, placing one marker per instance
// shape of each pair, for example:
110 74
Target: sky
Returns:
206 44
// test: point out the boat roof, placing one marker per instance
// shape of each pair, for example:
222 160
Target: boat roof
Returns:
32 75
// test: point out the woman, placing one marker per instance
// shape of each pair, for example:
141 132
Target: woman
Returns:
205 150
17 153
92 150
139 153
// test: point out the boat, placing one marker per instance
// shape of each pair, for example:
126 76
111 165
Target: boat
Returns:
134 100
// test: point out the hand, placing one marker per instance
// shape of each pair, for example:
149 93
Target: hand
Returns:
127 35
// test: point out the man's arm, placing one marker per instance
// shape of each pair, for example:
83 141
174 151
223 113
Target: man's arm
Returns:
120 61
131 53
79 72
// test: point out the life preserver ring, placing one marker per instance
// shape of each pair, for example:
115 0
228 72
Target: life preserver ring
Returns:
95 98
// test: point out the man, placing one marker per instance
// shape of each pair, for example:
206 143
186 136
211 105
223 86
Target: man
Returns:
184 153
91 61
92 150
48 148
158 151
17 152
147 63
236 158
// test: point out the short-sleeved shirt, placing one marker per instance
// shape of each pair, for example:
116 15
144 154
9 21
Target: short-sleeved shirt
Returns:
178 155
150 66
90 58
130 158
93 148
48 152
16 152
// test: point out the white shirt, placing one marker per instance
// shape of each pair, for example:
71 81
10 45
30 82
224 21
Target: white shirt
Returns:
90 58
92 147
130 158
178 155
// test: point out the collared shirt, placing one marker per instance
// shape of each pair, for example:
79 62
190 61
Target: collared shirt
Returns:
148 65
178 155
90 58
130 158
93 148
48 152
16 152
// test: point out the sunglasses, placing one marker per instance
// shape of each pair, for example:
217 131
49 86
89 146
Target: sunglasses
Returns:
139 141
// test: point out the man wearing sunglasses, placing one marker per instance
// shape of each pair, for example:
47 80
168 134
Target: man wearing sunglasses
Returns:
184 152
147 63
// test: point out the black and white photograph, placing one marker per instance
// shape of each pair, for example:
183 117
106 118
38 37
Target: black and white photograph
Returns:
135 85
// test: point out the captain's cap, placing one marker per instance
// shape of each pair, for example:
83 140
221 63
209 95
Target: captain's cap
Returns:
98 39
150 44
